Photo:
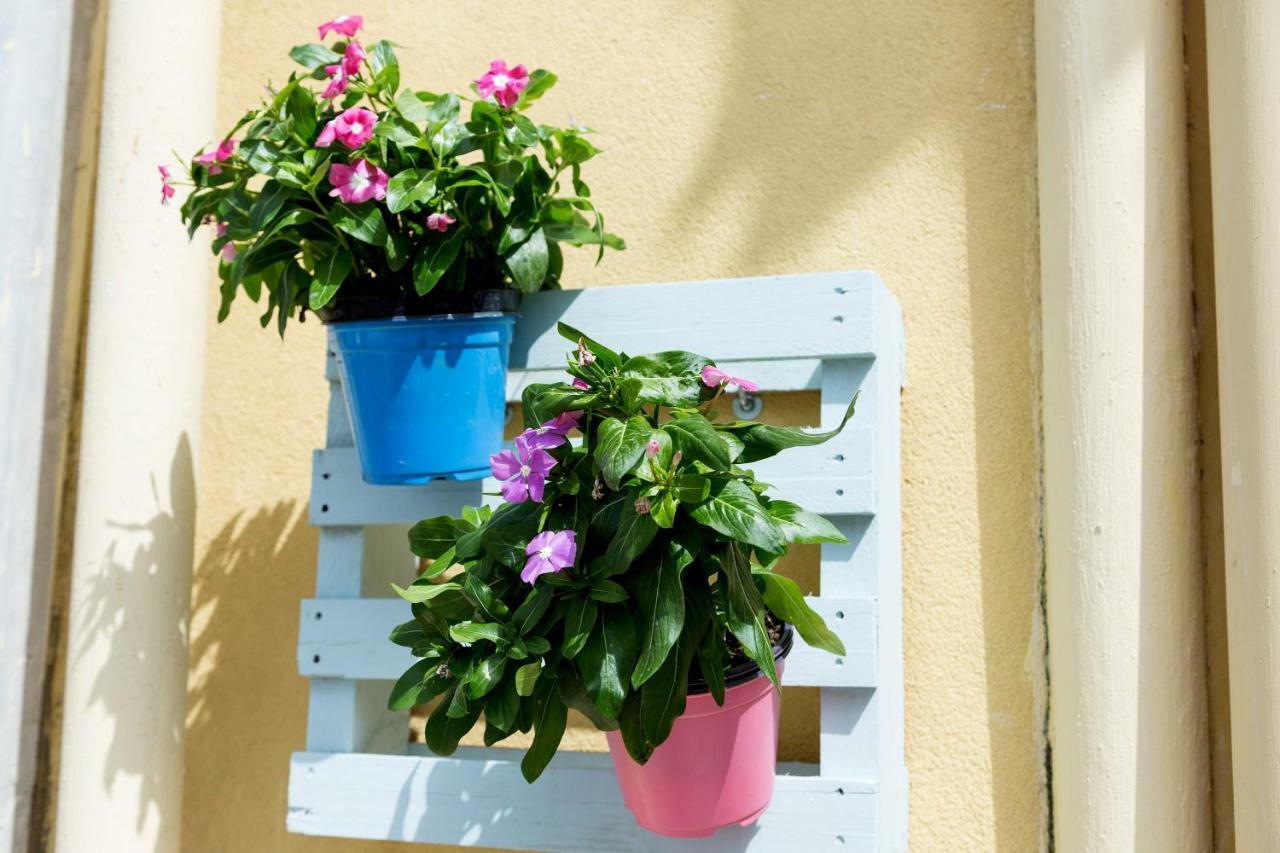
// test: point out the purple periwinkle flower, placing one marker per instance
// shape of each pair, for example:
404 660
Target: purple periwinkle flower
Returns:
523 473
549 551
553 433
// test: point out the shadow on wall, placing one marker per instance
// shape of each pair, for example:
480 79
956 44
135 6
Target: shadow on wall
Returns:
129 683
246 704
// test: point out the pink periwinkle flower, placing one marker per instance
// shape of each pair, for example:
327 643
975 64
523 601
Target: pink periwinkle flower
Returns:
439 222
553 433
337 82
343 25
166 188
228 250
353 128
580 384
714 377
211 159
652 448
550 551
352 57
504 84
358 183
523 473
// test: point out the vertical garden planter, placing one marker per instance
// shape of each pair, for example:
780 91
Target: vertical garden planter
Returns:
717 767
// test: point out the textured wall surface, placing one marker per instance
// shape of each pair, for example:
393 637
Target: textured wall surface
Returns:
741 139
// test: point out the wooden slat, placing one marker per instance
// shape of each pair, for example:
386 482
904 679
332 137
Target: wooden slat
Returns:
347 638
820 315
478 797
834 479
792 374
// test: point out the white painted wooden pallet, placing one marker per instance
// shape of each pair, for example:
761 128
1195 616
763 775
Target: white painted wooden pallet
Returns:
833 332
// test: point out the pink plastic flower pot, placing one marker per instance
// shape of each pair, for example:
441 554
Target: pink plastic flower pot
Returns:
715 770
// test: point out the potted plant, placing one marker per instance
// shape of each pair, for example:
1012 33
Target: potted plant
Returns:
629 576
411 222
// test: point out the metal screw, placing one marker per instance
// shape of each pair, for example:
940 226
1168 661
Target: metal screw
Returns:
747 406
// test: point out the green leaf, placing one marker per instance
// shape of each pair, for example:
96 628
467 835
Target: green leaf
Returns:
418 592
542 402
635 532
528 262
385 65
493 607
576 149
548 729
503 706
531 610
606 661
698 441
409 634
405 692
474 632
660 610
444 110
313 56
662 698
782 595
413 106
803 527
527 677
514 233
443 731
433 262
431 537
610 592
764 440
744 611
270 199
578 622
540 81
330 272
735 511
663 510
711 655
409 187
608 358
301 108
485 675
692 488
363 221
620 446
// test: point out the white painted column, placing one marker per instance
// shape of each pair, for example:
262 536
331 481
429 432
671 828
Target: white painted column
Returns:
120 774
1243 37
1122 545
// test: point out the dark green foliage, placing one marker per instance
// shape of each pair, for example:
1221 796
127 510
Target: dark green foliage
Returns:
673 548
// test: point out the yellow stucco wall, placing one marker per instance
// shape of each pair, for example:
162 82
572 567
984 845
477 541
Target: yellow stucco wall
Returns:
742 139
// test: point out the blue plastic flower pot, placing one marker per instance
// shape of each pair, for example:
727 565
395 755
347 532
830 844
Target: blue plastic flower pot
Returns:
426 395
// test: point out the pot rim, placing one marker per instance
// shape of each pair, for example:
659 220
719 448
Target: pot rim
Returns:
383 306
748 670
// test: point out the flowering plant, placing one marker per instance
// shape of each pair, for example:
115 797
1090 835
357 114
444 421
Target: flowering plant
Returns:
614 567
390 191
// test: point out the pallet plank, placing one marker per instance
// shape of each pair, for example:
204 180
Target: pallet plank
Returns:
346 638
478 797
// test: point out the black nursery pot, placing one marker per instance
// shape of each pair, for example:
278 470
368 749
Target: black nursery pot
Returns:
424 379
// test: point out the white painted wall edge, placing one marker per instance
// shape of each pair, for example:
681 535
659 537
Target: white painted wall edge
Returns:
1122 545
1242 37
120 775
33 93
